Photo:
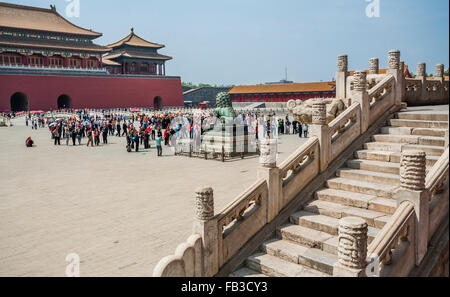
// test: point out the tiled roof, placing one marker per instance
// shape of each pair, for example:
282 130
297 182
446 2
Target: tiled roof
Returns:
107 62
329 86
53 44
140 55
134 40
39 19
433 78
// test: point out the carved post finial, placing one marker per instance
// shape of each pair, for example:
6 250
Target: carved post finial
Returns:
342 63
204 204
352 248
421 69
319 112
413 170
374 66
360 80
394 59
440 70
268 153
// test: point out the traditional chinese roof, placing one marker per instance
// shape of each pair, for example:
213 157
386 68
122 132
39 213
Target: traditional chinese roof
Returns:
39 19
134 40
10 41
435 78
107 62
137 55
329 86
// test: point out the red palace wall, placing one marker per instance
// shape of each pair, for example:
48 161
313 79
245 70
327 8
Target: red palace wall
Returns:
90 91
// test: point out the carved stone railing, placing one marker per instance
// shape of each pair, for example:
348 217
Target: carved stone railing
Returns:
395 238
438 174
381 97
186 262
226 234
299 169
437 184
241 219
344 130
423 205
413 89
372 80
423 90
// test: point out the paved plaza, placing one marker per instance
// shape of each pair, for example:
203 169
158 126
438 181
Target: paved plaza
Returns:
120 212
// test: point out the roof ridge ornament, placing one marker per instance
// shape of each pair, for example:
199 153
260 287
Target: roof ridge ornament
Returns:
132 30
53 7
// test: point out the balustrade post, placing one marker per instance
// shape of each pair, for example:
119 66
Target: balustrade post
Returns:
361 96
412 188
320 129
374 66
341 77
352 248
439 76
205 224
394 69
422 76
271 173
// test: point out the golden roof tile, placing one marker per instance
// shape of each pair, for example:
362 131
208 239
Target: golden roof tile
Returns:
39 19
134 40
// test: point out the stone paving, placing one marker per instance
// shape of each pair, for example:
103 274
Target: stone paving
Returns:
120 212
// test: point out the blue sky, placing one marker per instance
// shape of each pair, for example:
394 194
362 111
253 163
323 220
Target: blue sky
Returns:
251 41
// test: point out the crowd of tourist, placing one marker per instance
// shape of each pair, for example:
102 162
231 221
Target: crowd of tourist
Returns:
142 130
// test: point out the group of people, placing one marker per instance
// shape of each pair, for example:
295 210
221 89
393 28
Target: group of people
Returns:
161 128
284 127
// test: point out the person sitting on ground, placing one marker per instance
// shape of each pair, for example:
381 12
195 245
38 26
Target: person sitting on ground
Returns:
29 142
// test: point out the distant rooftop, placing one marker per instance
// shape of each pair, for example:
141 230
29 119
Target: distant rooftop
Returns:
329 86
134 40
39 19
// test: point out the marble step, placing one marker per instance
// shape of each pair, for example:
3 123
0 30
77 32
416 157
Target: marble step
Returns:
246 272
421 116
360 200
429 150
413 131
362 187
377 166
309 237
410 139
323 223
338 211
297 254
399 147
386 156
418 124
369 176
276 267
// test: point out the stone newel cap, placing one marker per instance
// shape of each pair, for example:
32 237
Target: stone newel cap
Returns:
353 222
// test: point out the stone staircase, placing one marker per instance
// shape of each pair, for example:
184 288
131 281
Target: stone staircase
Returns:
307 244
